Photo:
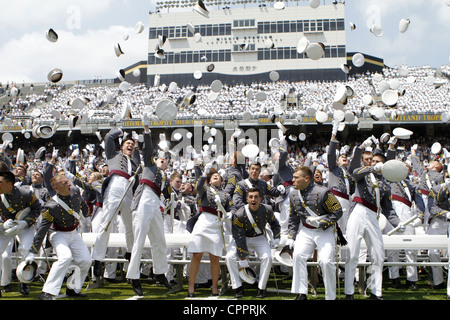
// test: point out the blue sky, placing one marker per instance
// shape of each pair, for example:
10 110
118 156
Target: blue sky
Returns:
88 31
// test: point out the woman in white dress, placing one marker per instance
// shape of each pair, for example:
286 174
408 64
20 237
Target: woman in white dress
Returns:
207 234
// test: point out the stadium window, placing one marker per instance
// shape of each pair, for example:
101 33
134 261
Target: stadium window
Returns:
196 57
209 30
273 27
183 57
280 53
280 27
340 25
299 26
228 29
273 54
176 58
293 27
177 32
260 54
235 23
319 25
287 53
260 27
215 30
203 30
267 27
312 26
152 33
267 54
221 29
305 25
221 55
326 25
341 51
332 25
294 53
334 52
215 56
165 31
287 26
169 58
327 52
228 55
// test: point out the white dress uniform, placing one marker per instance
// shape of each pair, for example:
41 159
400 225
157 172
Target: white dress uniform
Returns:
147 216
61 226
371 198
114 188
307 238
206 235
246 238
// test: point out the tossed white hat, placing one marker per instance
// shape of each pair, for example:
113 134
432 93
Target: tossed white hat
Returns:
7 137
285 256
248 275
198 74
279 5
314 3
40 153
118 50
268 44
45 132
139 27
160 54
315 50
136 73
377 30
51 35
201 8
403 25
216 85
358 60
352 26
345 68
124 86
281 126
274 75
302 45
55 75
190 27
321 117
26 271
436 148
395 170
250 150
120 74
402 133
385 137
20 157
210 67
390 97
166 110
302 136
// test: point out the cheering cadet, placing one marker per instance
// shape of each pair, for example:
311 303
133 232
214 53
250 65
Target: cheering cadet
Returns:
314 210
61 216
253 181
123 165
19 211
371 198
147 216
207 233
248 230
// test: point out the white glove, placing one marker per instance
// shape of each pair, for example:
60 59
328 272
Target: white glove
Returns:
447 183
366 143
290 243
22 224
393 140
448 215
417 222
69 176
378 167
208 168
145 120
243 263
76 153
121 132
414 147
30 258
281 189
229 215
55 153
8 224
313 221
374 140
335 128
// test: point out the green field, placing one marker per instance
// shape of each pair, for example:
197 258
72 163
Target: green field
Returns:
122 290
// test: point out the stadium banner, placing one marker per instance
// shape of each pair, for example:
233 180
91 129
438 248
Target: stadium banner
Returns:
173 123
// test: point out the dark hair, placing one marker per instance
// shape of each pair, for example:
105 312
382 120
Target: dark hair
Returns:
254 190
126 139
3 166
381 156
8 175
210 173
305 170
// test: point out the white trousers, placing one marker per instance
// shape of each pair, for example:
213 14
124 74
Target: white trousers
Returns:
363 224
113 194
404 212
262 249
306 242
148 222
70 249
26 237
437 227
